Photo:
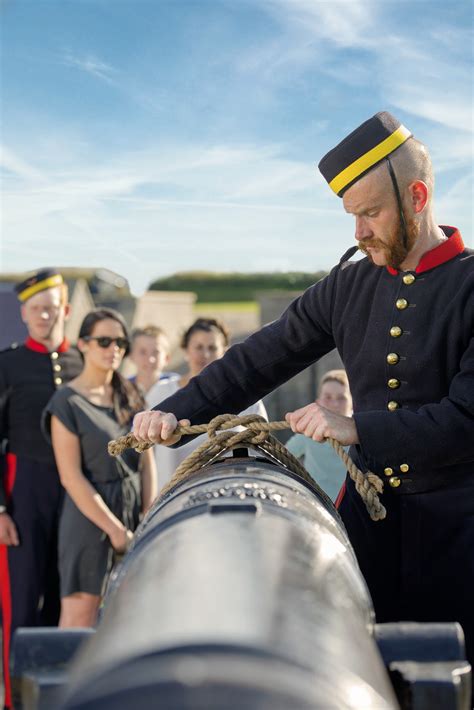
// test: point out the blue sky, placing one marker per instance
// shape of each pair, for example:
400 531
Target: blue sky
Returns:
151 137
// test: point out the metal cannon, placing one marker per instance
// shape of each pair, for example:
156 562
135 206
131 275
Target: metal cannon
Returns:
241 590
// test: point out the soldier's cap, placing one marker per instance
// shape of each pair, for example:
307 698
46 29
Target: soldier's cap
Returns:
39 281
361 150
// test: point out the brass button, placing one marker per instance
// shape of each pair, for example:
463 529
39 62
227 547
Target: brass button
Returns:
396 331
392 406
404 468
54 356
394 481
392 358
388 471
393 383
401 304
408 279
58 381
57 368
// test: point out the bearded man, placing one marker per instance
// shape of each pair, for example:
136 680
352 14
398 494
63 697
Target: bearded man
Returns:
31 494
402 320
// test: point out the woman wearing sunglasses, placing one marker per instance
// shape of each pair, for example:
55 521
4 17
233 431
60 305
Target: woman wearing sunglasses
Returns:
104 496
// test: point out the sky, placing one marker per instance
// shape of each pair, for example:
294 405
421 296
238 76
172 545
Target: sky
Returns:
156 136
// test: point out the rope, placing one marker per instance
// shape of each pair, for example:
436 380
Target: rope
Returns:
257 433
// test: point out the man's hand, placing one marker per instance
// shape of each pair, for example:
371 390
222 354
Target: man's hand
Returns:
319 423
8 531
157 427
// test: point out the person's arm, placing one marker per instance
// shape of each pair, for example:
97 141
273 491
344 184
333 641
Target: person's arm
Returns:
4 395
91 504
148 479
8 531
268 358
249 370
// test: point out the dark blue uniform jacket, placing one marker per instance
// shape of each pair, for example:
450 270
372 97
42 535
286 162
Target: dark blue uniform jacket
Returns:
406 340
29 376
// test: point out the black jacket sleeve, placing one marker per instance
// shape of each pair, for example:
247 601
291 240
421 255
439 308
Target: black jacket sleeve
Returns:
4 395
267 359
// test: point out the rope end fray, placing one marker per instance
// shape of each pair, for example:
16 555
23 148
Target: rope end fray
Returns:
129 441
257 432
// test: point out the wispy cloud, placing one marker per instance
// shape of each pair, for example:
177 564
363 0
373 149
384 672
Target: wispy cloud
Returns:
218 200
12 163
308 30
342 22
451 107
90 64
207 152
313 34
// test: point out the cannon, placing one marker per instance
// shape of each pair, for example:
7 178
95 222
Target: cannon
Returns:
241 590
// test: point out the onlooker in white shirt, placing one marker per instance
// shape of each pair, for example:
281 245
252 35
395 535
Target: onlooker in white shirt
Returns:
205 340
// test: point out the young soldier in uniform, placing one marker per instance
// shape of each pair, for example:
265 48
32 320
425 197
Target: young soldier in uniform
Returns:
402 320
31 494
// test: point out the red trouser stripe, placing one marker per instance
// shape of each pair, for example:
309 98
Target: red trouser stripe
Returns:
340 495
5 594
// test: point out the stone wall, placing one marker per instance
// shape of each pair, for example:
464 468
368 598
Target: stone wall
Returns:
171 310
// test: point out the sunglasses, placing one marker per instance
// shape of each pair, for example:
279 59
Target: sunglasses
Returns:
103 341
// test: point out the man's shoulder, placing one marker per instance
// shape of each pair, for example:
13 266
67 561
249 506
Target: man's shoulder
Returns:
14 362
459 269
11 353
348 270
468 255
9 348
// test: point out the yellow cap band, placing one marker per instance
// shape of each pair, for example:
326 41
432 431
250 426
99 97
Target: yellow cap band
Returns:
366 161
50 282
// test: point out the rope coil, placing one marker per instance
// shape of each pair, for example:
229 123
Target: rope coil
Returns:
256 432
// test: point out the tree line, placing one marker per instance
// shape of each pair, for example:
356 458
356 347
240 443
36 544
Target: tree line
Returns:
215 287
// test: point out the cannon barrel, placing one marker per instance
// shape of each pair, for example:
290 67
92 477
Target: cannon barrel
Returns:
241 590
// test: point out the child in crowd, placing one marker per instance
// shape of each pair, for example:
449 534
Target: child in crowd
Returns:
320 460
205 340
150 353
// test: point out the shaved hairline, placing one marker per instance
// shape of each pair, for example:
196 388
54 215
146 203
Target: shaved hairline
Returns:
412 162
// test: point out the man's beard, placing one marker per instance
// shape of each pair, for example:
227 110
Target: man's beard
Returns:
395 250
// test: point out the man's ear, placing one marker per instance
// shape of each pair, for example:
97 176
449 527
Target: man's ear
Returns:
67 311
23 314
418 191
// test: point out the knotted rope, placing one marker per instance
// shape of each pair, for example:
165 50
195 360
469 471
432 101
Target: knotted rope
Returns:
257 432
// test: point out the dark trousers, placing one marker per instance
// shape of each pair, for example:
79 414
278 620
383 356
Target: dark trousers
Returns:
29 580
419 562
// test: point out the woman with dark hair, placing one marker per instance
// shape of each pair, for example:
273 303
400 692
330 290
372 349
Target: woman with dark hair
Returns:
204 341
104 496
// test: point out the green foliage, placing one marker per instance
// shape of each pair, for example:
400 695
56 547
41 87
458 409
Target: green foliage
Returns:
214 287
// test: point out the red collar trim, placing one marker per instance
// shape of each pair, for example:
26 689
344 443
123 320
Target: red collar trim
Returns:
445 251
33 344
